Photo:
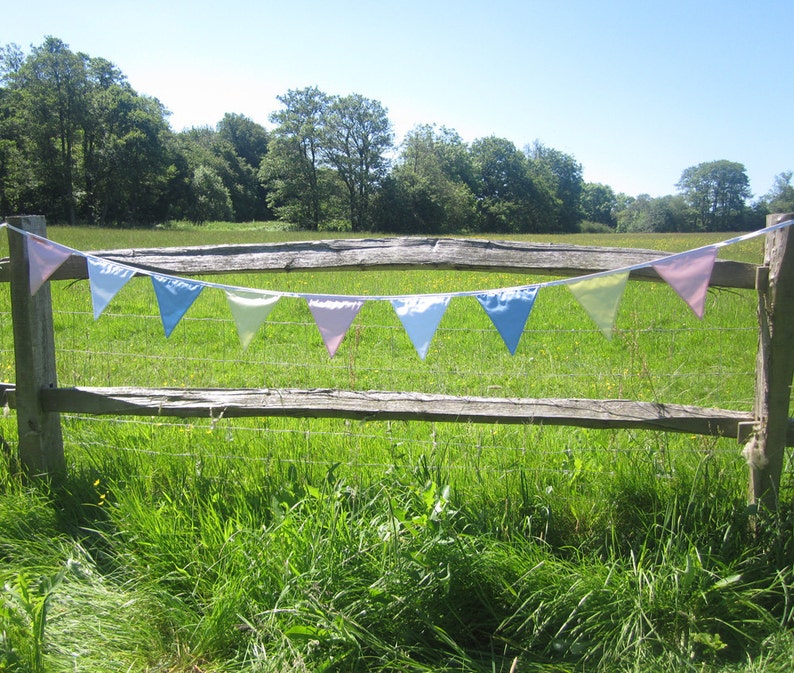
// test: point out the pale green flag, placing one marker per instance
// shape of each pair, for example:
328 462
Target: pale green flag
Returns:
600 297
250 310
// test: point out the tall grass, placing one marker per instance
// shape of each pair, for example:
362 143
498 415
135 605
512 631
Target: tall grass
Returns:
310 545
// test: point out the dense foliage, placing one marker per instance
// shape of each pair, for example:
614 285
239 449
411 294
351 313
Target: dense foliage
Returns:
79 144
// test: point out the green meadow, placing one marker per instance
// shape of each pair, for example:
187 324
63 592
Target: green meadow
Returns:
226 545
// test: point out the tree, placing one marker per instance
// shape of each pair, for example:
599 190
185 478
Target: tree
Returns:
510 199
247 138
15 176
244 144
717 192
292 167
11 60
426 192
76 141
599 203
647 214
562 175
48 92
500 183
633 215
208 147
124 141
11 159
780 198
211 200
356 136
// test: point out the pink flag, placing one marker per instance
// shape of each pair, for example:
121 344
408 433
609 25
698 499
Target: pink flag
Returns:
44 258
689 276
333 318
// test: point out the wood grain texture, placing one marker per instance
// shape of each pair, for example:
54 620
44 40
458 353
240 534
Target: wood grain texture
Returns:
39 431
774 366
386 405
551 259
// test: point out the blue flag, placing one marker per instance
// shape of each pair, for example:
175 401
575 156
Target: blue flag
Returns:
420 317
174 297
509 311
106 279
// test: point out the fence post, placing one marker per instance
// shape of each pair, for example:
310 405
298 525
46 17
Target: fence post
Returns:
40 437
774 365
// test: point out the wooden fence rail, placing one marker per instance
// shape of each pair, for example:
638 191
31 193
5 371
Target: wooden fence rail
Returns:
393 254
39 400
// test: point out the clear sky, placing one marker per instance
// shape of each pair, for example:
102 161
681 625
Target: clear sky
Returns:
636 90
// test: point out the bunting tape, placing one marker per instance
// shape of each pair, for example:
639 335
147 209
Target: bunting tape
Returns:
688 274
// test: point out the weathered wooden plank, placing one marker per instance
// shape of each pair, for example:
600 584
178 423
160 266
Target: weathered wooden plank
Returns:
39 430
550 259
111 401
385 405
774 367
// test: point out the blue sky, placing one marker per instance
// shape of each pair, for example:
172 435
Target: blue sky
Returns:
636 90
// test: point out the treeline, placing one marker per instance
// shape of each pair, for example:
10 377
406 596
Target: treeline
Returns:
80 145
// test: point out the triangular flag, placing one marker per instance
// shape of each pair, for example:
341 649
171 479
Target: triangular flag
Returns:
689 276
420 317
249 310
106 279
174 297
333 318
600 297
509 311
44 258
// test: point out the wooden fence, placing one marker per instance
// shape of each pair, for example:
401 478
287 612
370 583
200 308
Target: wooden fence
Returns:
39 401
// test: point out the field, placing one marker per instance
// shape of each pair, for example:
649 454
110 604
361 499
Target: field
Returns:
329 545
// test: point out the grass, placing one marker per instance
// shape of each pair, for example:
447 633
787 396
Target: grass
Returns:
329 545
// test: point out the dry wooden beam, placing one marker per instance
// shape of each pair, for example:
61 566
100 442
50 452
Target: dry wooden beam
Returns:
774 366
383 405
40 441
546 259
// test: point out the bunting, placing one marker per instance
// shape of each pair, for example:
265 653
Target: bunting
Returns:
689 274
509 311
333 318
174 297
249 310
44 259
600 296
420 317
105 279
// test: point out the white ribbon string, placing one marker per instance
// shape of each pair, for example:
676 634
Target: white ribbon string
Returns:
467 293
